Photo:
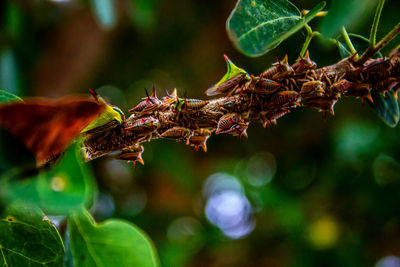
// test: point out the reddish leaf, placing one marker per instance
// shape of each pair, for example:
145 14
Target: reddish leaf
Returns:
47 127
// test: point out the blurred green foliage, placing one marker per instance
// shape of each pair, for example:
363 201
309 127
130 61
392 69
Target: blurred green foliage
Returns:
314 191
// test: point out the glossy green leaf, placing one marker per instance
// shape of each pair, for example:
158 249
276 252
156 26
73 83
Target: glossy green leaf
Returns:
63 188
8 97
8 71
387 107
105 13
28 238
359 42
110 243
347 13
258 26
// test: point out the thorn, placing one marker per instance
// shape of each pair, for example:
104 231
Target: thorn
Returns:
244 134
154 93
285 59
278 61
369 97
167 94
204 147
93 93
148 97
174 92
395 95
307 55
140 160
332 111
274 122
352 56
226 57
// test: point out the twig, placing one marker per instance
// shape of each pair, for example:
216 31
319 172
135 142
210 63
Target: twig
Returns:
347 39
374 28
382 43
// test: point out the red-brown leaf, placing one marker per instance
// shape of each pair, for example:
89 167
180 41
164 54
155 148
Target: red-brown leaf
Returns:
46 126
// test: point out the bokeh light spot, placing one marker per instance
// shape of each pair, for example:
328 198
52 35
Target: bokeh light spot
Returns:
324 232
227 207
58 183
261 169
389 261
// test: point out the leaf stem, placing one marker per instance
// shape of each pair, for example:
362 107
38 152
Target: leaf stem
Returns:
348 42
309 36
374 28
382 43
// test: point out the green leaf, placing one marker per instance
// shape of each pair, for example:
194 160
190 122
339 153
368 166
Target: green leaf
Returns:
258 26
105 13
359 42
110 243
345 13
8 97
63 188
386 107
8 71
28 238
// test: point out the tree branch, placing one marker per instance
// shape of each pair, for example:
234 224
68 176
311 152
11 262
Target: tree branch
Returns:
265 98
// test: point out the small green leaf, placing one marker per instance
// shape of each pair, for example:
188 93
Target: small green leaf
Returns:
359 42
105 13
63 188
28 238
233 75
8 97
258 26
386 107
345 13
110 243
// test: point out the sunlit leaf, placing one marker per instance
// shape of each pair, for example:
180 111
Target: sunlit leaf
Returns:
105 13
28 238
258 26
8 71
387 107
110 243
59 190
345 13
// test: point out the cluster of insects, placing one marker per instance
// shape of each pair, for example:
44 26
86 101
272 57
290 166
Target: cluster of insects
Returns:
264 98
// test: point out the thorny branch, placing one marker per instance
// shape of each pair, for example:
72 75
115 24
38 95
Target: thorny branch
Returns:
263 98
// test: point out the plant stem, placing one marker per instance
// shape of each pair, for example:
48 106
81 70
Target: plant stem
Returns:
309 36
382 43
348 42
374 28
